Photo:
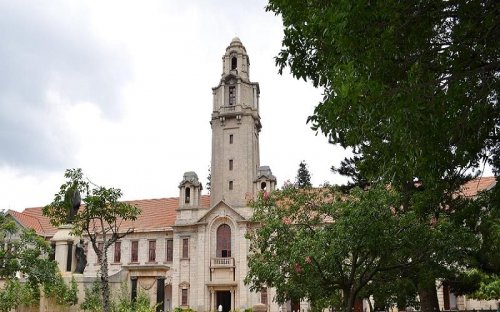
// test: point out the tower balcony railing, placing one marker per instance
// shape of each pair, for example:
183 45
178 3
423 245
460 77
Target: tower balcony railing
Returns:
220 262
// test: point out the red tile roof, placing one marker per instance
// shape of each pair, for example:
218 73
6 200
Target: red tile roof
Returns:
28 221
473 187
156 214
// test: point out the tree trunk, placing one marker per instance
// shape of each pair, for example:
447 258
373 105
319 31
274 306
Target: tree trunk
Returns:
428 298
105 281
349 299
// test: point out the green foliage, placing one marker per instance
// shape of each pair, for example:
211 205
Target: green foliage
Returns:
412 88
62 293
14 293
99 220
303 178
120 301
23 253
179 309
344 243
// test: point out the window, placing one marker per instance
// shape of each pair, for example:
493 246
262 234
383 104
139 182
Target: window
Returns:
188 194
184 297
230 139
152 251
134 251
263 295
232 95
263 186
230 185
234 63
224 241
170 250
185 248
230 164
118 252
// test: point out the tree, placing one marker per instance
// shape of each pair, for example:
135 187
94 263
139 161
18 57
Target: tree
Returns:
303 178
23 253
410 86
100 219
341 243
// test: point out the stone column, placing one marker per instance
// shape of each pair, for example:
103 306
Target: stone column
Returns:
65 249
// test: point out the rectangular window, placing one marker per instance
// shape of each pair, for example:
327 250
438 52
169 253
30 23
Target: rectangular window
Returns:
185 248
230 185
230 164
170 250
263 295
152 251
134 252
184 297
232 95
230 139
118 252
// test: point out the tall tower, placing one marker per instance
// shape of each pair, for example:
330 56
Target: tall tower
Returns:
235 130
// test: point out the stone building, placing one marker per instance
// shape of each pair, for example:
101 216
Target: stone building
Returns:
190 251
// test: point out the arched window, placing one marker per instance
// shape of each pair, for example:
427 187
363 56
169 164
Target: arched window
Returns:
224 241
234 63
188 195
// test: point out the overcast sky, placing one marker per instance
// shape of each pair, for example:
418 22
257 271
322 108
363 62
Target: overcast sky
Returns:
122 89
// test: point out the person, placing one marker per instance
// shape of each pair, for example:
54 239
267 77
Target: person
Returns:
81 257
219 309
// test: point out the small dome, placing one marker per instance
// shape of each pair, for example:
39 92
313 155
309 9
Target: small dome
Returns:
236 39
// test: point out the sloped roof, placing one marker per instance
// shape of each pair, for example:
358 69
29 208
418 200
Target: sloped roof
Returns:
156 214
473 187
28 221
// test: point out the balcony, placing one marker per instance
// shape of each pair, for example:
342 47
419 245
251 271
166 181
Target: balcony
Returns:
222 262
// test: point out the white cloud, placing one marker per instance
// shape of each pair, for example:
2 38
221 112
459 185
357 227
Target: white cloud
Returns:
123 90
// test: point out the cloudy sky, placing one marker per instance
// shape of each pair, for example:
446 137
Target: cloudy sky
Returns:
122 89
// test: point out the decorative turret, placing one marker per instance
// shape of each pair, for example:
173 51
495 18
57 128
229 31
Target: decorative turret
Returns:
265 181
235 130
190 190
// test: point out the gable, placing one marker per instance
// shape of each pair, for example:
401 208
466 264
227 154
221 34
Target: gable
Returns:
221 209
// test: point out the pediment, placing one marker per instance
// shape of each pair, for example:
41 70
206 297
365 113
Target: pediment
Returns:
221 209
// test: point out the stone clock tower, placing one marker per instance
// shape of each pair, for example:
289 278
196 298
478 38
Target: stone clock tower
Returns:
235 130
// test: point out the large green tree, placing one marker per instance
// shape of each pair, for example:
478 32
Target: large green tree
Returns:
342 243
99 220
25 268
410 86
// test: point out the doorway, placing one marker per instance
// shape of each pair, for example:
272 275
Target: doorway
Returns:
223 299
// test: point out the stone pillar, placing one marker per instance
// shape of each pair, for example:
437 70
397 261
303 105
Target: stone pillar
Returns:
63 255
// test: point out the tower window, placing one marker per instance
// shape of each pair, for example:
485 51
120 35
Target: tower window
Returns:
232 95
234 63
188 195
230 185
230 139
230 164
185 248
263 186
